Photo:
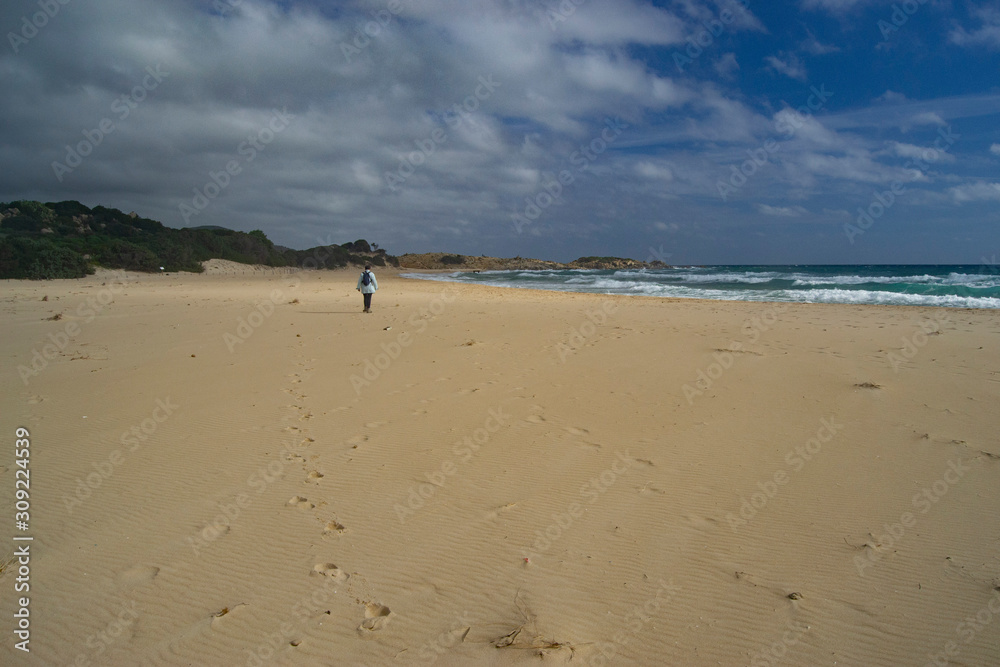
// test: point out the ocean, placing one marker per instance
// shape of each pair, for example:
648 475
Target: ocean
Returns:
952 286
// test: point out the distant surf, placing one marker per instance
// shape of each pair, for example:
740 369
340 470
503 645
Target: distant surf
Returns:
953 286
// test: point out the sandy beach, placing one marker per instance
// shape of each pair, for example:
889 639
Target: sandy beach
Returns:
241 468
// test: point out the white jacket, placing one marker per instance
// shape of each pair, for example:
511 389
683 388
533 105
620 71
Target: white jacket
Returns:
371 287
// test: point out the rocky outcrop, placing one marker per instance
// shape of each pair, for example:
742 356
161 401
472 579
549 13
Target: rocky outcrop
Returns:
440 260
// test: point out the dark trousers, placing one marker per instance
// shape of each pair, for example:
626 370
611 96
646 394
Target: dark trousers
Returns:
368 301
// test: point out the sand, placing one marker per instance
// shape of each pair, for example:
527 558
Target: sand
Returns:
240 467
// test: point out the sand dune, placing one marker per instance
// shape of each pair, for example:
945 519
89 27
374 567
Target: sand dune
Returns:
244 469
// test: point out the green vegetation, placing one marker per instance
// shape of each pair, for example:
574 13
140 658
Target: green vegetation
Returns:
452 259
66 239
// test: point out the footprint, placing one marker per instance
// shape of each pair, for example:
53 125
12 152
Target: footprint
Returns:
224 612
357 440
140 574
213 531
34 400
456 636
329 570
333 526
299 501
700 522
374 424
493 514
314 476
376 618
535 419
576 431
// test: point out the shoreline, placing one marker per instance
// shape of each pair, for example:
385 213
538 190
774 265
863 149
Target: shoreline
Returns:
261 272
685 298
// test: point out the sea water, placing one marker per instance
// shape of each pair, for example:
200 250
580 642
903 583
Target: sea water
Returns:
954 286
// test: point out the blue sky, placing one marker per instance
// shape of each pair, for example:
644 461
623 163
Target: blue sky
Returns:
819 131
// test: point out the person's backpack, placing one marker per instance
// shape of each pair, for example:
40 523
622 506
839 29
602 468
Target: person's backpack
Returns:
366 279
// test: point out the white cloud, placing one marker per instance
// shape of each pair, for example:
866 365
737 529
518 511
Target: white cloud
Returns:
891 97
995 149
927 154
975 192
832 6
817 48
654 171
788 64
781 211
987 34
726 65
926 118
366 176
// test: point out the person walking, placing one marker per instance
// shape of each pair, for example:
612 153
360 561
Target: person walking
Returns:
367 286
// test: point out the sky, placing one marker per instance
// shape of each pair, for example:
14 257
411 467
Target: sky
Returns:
734 132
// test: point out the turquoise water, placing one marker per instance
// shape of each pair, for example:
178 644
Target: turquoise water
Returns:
955 286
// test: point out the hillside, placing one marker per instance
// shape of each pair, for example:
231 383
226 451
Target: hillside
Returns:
67 240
